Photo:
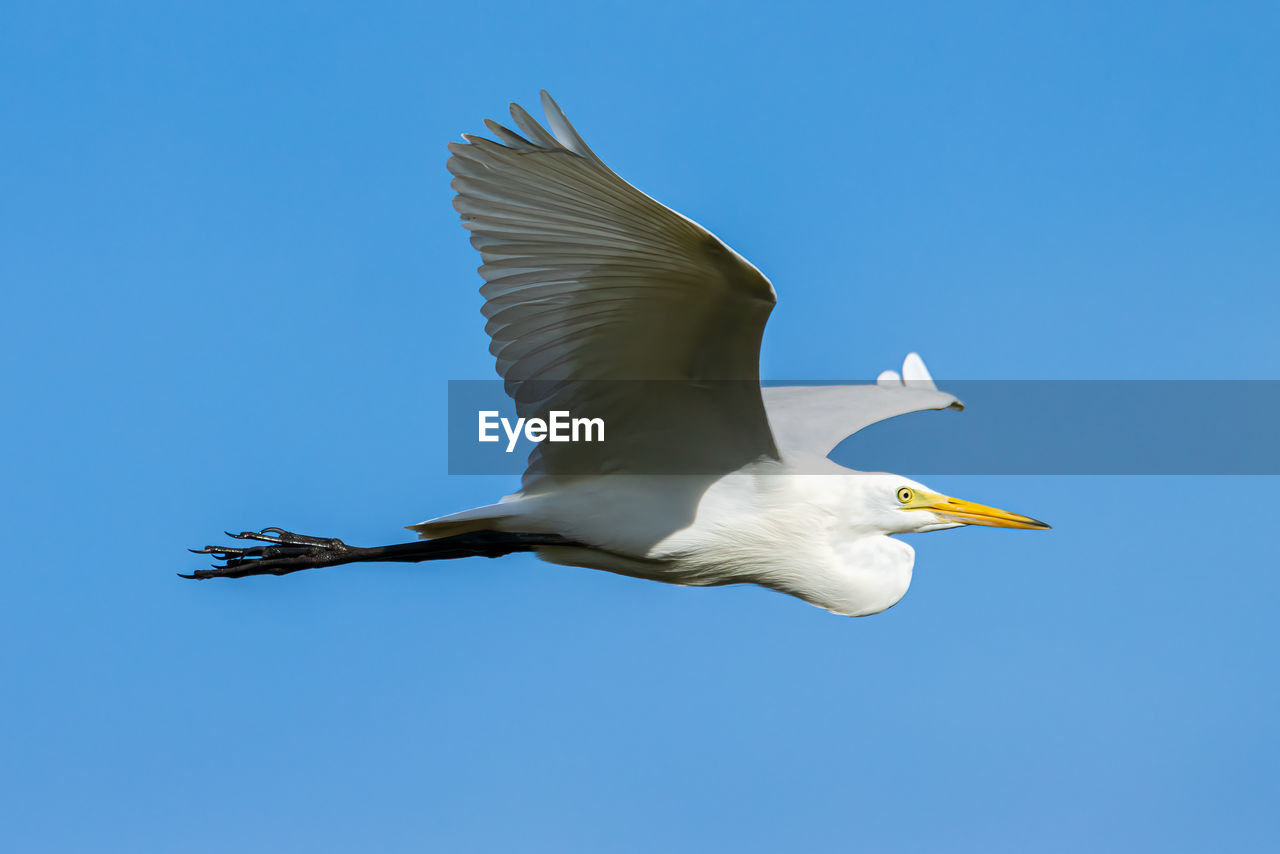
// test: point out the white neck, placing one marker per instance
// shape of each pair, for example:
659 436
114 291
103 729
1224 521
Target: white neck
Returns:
868 574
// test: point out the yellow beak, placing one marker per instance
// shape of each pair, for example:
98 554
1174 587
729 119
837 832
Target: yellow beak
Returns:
969 513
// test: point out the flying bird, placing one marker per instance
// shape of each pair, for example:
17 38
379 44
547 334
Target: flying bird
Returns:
601 300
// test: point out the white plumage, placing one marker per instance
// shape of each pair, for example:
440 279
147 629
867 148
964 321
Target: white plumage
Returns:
601 300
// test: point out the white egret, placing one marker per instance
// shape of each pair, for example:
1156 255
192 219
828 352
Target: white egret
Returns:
706 478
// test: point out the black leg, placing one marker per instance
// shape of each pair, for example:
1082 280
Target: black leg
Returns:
291 552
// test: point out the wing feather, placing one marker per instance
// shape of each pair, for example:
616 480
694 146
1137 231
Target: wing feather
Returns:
592 286
810 421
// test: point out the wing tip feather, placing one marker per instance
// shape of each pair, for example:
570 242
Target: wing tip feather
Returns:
557 135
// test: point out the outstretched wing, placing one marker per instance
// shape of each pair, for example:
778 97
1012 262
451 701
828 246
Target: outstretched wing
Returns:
604 303
812 420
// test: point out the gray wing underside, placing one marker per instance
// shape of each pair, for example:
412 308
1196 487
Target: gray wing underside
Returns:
605 303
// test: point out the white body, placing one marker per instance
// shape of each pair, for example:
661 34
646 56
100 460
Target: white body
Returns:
788 532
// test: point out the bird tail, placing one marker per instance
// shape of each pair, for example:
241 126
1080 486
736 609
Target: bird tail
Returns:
506 515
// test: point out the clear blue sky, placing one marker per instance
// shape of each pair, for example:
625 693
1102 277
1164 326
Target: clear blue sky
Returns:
235 290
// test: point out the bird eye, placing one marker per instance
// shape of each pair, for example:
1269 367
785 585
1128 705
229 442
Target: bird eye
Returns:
905 495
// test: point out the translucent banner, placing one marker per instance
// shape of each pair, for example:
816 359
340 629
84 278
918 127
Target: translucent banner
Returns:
1050 427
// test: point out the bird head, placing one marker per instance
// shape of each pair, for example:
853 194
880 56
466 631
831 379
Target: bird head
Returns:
903 506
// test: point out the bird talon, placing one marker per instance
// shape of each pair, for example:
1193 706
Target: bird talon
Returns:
286 552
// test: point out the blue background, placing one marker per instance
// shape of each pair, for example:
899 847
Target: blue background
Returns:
235 289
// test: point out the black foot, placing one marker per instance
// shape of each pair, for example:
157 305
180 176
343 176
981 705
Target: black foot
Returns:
289 553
